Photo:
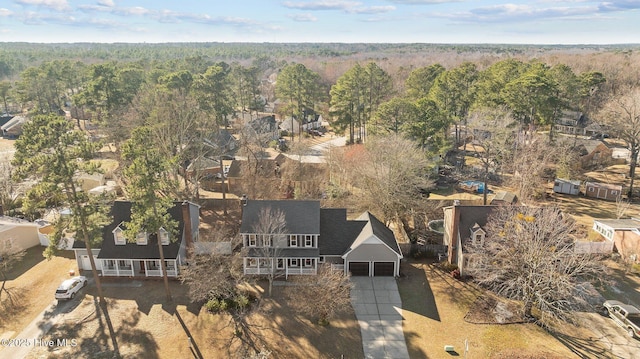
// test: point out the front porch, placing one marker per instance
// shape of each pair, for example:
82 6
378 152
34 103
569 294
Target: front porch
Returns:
281 266
138 268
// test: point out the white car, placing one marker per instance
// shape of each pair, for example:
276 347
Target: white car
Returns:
69 288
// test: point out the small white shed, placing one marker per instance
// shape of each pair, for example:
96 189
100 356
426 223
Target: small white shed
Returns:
566 186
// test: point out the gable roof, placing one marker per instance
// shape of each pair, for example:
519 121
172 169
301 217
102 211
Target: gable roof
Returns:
379 229
336 232
471 216
302 217
121 212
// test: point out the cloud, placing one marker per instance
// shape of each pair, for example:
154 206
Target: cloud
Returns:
58 5
108 3
372 9
352 7
5 12
423 2
321 5
518 13
302 17
619 5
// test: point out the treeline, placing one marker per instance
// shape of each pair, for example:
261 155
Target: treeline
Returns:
16 57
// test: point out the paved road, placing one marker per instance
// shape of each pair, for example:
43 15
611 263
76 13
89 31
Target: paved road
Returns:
378 307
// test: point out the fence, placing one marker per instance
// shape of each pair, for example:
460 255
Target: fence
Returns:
432 248
605 247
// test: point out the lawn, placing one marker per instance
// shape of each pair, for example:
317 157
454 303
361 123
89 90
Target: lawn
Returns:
147 325
32 282
434 308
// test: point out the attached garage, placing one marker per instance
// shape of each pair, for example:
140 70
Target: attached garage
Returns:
359 269
380 269
383 269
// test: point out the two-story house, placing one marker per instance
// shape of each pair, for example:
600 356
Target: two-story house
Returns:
118 257
313 236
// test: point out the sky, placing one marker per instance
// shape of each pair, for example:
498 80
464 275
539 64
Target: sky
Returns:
346 21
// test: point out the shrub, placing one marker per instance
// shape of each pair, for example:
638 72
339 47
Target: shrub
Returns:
213 305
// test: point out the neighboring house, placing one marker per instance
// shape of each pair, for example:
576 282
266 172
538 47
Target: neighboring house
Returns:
576 123
594 153
309 122
266 125
13 127
463 224
203 168
565 186
117 257
603 190
20 234
314 235
222 142
267 169
623 233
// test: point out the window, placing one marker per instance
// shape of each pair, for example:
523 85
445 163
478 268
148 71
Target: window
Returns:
293 240
170 265
111 264
308 241
265 263
293 262
252 240
614 192
141 238
124 264
280 264
164 236
153 265
308 262
266 241
252 262
118 236
321 259
591 189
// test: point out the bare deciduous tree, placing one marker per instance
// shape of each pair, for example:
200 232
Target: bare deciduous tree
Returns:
492 132
622 115
390 173
9 256
321 296
270 230
528 163
528 255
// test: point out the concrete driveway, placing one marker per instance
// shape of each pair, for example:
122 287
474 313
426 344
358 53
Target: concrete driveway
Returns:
378 307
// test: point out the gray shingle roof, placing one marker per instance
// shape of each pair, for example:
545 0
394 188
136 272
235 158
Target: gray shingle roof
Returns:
302 217
336 232
121 212
382 232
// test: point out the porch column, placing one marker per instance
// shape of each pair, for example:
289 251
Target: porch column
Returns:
132 270
146 272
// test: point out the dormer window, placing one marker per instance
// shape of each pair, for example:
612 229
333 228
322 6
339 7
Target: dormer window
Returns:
163 235
141 238
118 236
477 235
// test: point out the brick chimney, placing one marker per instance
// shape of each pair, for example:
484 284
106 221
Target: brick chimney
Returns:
186 218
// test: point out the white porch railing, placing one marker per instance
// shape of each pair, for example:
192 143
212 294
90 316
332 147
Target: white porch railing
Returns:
154 273
119 272
254 270
301 271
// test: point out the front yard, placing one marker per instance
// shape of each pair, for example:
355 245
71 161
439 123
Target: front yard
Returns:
147 325
434 309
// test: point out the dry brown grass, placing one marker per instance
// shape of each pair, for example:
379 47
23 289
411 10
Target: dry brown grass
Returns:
434 307
33 283
148 326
